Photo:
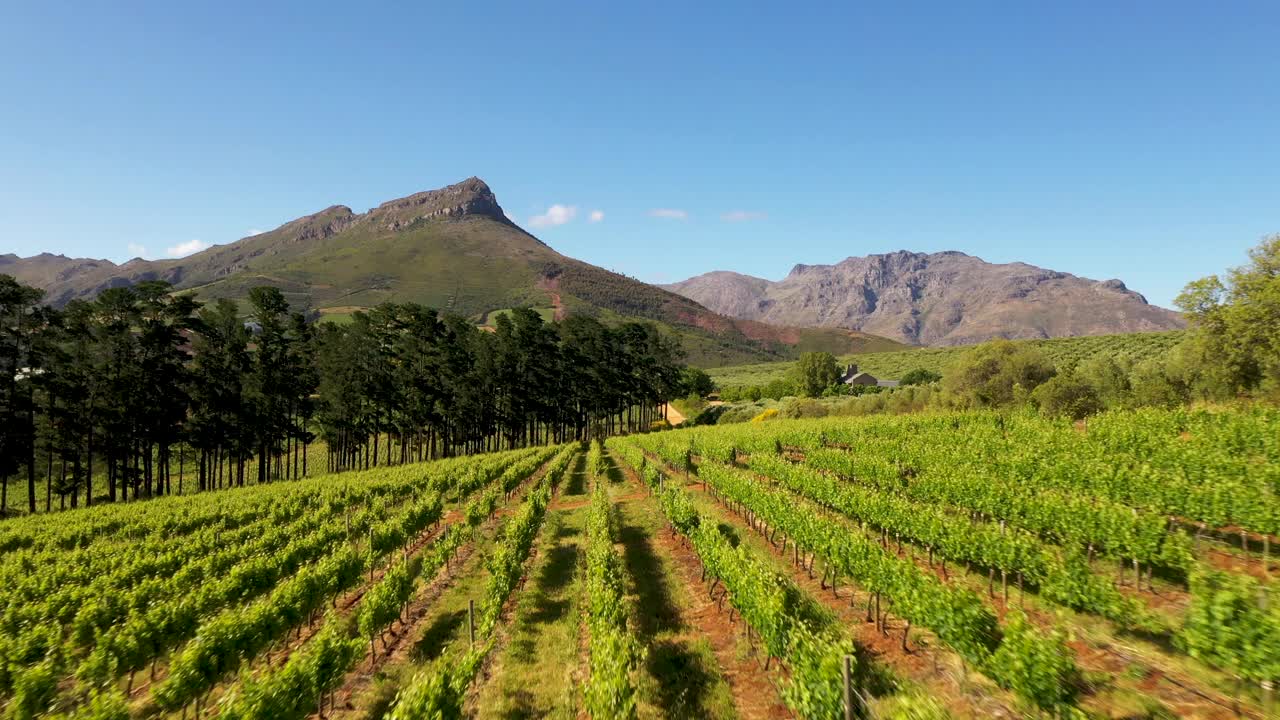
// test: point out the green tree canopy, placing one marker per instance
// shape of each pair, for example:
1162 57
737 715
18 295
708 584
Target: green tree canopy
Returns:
815 372
1238 321
1067 395
696 381
995 373
919 376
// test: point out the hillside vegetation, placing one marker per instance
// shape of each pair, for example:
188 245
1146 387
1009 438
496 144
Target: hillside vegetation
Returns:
895 364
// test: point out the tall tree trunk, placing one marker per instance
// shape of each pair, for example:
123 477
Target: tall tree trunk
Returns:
75 473
31 451
48 482
88 478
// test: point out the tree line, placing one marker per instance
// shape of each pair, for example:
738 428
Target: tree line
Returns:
126 388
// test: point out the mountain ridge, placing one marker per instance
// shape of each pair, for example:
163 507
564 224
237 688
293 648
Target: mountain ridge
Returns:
943 298
452 248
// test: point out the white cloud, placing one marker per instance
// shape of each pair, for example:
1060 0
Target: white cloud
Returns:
668 214
743 216
555 215
595 216
186 248
136 250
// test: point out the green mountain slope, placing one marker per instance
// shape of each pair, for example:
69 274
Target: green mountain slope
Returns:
451 248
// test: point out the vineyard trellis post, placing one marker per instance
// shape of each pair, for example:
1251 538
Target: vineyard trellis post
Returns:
848 687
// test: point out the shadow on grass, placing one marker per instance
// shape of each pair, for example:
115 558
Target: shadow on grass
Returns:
556 574
613 472
657 611
577 484
525 706
540 606
437 636
683 679
730 533
379 704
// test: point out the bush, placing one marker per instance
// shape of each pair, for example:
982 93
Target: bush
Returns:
995 374
797 408
1109 379
1067 395
739 413
766 415
690 406
777 389
709 416
919 376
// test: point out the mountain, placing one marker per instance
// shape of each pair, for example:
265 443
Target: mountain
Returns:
452 248
946 298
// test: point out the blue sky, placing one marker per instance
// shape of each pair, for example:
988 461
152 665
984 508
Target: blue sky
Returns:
1136 140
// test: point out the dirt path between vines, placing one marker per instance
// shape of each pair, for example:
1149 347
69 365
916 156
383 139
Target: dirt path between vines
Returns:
754 695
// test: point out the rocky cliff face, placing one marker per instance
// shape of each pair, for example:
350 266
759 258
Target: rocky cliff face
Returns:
469 197
946 298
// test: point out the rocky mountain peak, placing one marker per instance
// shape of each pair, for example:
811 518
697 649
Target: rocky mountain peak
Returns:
467 198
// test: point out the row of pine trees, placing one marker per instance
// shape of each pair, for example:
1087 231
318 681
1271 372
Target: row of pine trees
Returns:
142 382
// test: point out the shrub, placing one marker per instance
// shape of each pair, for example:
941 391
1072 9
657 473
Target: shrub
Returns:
1067 395
996 373
797 408
919 376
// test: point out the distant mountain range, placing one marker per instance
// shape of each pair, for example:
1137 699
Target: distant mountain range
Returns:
945 298
452 248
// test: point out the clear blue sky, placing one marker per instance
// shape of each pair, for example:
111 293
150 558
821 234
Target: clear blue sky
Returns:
1138 140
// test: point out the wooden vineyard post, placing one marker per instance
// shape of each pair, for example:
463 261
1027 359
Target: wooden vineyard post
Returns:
848 687
471 621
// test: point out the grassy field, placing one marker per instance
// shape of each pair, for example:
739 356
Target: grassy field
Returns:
892 365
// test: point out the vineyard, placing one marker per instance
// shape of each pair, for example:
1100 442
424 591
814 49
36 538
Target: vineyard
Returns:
962 565
893 365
